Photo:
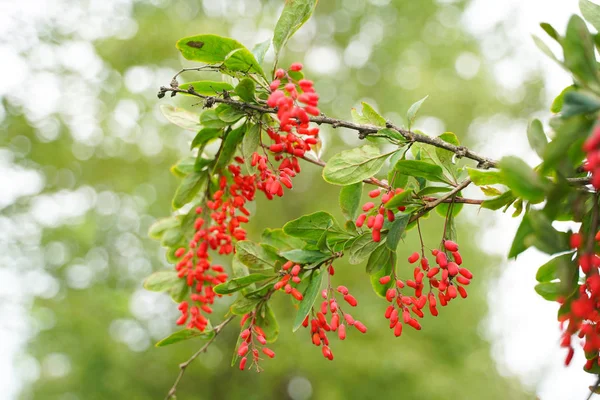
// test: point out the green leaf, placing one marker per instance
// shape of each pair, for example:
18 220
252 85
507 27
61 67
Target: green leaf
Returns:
255 256
311 227
229 114
159 227
280 240
392 134
179 291
161 281
246 90
543 235
309 297
250 143
243 305
361 248
207 88
490 191
354 165
413 110
236 284
181 117
433 190
549 290
171 237
549 29
371 116
554 268
579 52
396 231
559 101
185 334
401 199
576 103
260 50
546 50
189 187
522 179
295 13
380 257
229 146
537 138
301 256
213 49
446 156
421 169
498 202
350 200
385 269
484 177
210 119
205 135
591 13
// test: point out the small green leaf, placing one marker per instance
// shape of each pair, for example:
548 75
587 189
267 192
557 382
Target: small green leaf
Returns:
579 52
161 281
549 290
549 29
519 243
309 297
246 90
498 202
355 165
371 116
181 117
546 50
311 227
591 13
544 236
396 231
350 200
559 101
250 143
295 13
413 110
576 103
171 237
180 291
433 190
536 136
205 135
189 187
255 256
260 50
210 119
446 156
185 334
268 322
401 199
228 147
522 179
392 134
280 240
554 268
243 305
421 169
229 114
213 49
159 227
301 256
236 284
207 88
490 191
361 248
384 270
380 257
484 177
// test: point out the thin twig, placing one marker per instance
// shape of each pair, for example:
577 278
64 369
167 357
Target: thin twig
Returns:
447 198
184 365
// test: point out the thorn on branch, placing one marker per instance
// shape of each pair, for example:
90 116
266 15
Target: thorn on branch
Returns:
461 151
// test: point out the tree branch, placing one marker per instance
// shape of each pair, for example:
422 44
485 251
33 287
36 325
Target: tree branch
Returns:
184 365
447 198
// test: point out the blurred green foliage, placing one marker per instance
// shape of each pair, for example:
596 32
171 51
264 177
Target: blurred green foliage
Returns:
449 358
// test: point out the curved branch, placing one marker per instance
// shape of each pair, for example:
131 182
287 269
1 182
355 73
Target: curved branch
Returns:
184 365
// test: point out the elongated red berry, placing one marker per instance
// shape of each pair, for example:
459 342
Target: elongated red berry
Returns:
268 352
466 273
398 329
457 257
376 235
413 257
360 326
385 279
243 363
350 300
374 193
361 220
342 289
342 332
368 206
450 245
575 240
441 259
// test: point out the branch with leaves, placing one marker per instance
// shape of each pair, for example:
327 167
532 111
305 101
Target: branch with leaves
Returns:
267 126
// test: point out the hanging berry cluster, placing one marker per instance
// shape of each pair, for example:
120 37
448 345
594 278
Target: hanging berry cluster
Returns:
319 326
252 338
374 215
581 317
406 308
295 100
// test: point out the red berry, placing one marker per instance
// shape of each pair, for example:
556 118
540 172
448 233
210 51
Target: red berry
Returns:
450 245
385 280
351 300
360 326
413 257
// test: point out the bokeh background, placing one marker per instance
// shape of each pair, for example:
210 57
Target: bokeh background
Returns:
84 170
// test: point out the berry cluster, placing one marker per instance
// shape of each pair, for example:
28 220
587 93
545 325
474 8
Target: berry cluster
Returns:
227 213
592 149
319 326
293 275
446 284
248 338
582 317
374 215
295 100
